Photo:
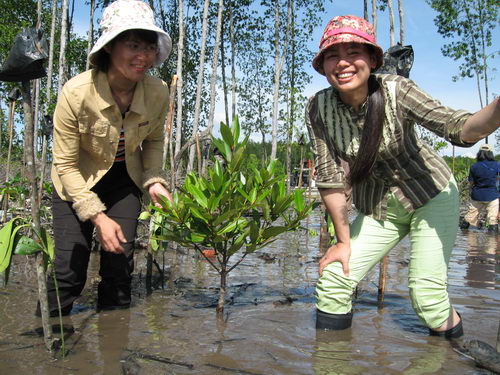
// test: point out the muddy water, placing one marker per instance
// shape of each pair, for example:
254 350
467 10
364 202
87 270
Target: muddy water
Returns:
269 319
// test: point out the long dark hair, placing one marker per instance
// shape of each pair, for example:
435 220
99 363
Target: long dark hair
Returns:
371 135
485 155
102 59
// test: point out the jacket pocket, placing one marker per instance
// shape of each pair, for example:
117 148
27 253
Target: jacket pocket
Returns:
98 128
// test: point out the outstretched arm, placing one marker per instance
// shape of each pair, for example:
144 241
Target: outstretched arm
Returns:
482 123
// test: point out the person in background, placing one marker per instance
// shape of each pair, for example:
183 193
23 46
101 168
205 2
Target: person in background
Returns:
108 145
483 179
400 186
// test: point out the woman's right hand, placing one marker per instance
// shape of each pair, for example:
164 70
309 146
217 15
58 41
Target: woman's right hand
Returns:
109 233
340 252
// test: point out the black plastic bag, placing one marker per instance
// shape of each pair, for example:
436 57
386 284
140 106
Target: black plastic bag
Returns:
398 60
26 57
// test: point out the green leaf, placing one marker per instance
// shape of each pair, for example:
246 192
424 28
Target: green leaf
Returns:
198 195
236 129
7 239
299 201
48 244
144 215
273 232
24 245
227 135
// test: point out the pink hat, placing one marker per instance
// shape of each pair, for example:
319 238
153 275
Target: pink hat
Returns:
123 15
347 29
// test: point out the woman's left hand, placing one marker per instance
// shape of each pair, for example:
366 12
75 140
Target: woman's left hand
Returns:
156 190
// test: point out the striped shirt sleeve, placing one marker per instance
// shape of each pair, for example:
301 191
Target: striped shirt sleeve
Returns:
422 109
330 173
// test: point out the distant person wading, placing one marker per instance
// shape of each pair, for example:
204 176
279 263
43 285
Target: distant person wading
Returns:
484 176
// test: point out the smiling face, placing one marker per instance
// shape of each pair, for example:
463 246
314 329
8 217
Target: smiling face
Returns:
347 67
131 57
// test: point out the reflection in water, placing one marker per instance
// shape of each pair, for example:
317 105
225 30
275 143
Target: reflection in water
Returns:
269 320
112 329
481 262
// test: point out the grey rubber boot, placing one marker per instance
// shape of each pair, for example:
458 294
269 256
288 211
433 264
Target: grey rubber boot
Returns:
333 322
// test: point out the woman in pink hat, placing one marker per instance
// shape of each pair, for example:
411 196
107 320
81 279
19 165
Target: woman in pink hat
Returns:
108 144
400 185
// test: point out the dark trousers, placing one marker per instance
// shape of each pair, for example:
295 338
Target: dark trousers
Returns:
73 239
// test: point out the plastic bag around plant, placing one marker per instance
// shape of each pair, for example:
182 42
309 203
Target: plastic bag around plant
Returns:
26 57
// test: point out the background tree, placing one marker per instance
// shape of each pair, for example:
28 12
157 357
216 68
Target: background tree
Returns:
469 23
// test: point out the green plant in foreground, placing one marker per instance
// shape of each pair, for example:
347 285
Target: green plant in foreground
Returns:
235 208
12 241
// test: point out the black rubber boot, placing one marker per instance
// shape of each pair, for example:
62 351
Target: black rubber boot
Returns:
452 333
333 322
493 228
64 311
464 224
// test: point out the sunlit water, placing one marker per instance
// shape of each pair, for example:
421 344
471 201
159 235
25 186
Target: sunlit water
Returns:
269 319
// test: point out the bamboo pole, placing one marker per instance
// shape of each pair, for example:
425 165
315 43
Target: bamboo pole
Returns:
382 279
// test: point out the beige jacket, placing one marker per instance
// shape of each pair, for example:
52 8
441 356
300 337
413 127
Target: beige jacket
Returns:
87 124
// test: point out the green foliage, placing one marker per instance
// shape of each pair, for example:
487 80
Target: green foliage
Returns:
233 208
471 25
12 241
15 189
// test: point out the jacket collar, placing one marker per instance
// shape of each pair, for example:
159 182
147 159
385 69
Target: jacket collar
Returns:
104 98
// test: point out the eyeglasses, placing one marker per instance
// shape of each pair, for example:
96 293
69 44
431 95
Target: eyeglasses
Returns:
136 47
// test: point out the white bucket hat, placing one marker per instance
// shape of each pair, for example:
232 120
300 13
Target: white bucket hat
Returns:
123 15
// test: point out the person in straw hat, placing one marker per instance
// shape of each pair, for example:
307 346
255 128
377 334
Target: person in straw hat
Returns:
400 185
483 179
108 145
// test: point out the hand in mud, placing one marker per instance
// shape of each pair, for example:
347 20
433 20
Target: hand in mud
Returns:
155 191
109 233
340 252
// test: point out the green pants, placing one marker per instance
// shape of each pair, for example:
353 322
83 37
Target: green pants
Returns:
432 228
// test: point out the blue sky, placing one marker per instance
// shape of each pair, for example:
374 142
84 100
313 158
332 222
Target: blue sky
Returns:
431 70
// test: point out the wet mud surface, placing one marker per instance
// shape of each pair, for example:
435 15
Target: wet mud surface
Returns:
269 320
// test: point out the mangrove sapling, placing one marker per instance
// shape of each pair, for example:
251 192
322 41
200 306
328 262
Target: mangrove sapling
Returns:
232 208
12 241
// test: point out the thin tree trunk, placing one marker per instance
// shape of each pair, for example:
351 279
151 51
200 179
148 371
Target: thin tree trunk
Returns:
233 63
168 122
365 10
35 212
223 69
48 94
391 23
291 111
91 32
44 304
222 293
197 105
180 54
401 22
1 129
274 128
62 53
485 63
374 16
278 63
382 279
12 112
213 79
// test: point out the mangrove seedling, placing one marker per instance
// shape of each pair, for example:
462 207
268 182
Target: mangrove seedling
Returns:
13 241
235 208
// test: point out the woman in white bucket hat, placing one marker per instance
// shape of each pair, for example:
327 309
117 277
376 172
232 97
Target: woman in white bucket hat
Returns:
108 144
